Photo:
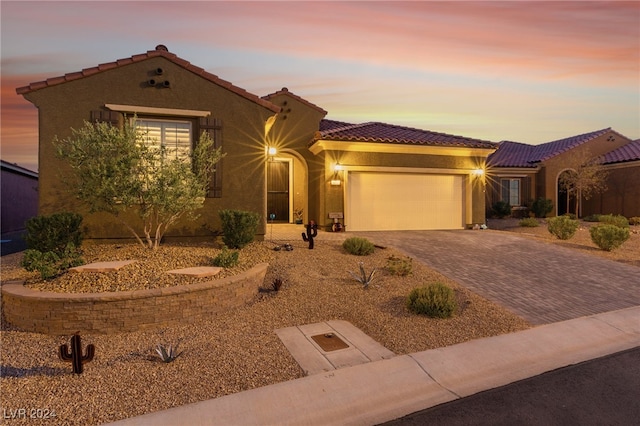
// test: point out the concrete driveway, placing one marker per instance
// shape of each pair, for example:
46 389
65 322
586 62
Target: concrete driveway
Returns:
543 283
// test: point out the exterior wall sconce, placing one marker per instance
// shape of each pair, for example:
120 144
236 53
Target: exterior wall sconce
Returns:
477 172
335 181
272 151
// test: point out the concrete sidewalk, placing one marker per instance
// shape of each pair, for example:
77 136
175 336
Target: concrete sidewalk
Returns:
380 391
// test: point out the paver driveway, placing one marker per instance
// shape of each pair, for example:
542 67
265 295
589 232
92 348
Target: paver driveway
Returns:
543 283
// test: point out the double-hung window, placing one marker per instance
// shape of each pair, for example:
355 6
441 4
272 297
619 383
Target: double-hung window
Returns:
510 191
172 135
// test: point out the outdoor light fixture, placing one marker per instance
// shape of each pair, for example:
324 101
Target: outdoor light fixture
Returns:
272 151
477 172
336 175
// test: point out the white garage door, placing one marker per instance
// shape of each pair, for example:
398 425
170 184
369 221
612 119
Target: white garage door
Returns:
398 201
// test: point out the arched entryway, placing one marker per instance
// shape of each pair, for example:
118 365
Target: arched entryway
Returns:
566 200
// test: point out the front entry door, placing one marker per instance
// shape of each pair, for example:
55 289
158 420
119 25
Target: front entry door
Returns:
278 191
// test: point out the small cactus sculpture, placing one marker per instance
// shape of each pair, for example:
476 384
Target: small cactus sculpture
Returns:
75 355
312 231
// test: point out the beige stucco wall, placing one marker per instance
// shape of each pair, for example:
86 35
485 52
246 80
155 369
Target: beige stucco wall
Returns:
66 105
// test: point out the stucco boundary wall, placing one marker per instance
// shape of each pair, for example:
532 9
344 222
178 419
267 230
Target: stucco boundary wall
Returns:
126 311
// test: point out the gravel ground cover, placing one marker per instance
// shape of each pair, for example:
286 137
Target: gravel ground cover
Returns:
228 353
628 253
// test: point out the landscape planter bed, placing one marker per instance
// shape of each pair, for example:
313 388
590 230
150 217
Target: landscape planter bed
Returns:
126 311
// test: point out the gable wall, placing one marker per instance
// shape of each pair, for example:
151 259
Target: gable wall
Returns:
554 166
66 105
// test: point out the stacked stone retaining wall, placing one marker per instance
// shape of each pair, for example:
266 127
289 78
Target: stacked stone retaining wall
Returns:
107 313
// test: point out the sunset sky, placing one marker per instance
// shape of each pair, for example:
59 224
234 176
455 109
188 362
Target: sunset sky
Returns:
530 72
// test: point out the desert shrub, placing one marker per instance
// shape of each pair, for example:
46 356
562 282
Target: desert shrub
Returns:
53 233
542 207
50 264
592 218
571 216
362 277
608 237
563 227
226 258
399 266
616 220
529 222
238 227
635 220
436 301
358 246
501 209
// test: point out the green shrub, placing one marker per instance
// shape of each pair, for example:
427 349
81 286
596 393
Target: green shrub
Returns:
635 220
616 220
592 218
436 301
358 246
571 216
238 227
226 258
501 209
542 207
563 227
50 264
608 237
53 233
529 222
399 266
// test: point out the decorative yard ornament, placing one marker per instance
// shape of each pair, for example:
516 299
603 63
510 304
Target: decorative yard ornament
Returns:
75 355
311 233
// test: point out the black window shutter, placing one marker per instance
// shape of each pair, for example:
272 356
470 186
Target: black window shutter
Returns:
213 126
102 116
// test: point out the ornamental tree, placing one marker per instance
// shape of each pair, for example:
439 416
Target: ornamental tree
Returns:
586 177
115 170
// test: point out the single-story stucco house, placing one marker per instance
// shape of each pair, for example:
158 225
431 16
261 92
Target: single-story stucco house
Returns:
282 155
519 173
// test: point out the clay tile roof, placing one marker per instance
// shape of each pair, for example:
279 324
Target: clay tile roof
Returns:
160 51
551 149
511 154
515 154
628 152
332 124
388 133
286 91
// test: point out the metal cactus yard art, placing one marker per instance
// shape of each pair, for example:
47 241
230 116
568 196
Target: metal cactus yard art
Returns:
311 233
75 354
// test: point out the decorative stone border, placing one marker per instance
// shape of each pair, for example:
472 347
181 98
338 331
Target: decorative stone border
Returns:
115 312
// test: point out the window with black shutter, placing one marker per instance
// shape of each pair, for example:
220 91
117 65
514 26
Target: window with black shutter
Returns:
213 126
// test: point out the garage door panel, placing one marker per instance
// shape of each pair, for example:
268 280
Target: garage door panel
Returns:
398 201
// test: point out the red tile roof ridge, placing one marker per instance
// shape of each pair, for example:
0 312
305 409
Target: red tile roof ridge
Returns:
390 133
284 90
159 52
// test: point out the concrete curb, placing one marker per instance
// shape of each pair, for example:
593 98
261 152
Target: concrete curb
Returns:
384 390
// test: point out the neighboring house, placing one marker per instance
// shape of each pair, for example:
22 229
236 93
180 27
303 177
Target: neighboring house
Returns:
282 155
623 183
518 173
19 201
